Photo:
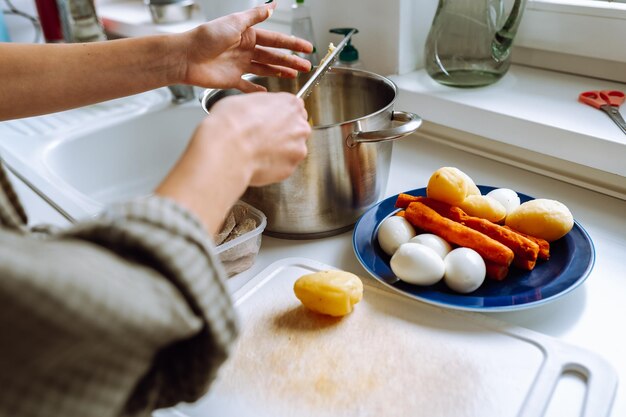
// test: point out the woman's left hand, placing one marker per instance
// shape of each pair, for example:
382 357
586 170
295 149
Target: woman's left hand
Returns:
219 52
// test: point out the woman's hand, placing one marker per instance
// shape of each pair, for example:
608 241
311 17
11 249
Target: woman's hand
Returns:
219 52
271 132
248 139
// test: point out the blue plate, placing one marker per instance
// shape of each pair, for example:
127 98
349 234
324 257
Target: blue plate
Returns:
571 260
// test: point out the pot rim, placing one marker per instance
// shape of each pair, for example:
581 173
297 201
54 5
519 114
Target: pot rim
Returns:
249 77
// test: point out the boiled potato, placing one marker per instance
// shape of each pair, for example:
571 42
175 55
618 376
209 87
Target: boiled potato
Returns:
472 188
329 292
484 207
450 185
542 218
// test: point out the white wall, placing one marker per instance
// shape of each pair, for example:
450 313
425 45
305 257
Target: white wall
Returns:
377 21
391 32
415 20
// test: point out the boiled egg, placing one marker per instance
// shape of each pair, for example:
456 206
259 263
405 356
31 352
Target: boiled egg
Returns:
507 197
417 264
436 243
393 232
464 270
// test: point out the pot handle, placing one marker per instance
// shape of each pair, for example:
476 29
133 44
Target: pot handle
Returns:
208 94
410 123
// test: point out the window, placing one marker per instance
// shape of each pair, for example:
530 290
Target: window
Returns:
578 36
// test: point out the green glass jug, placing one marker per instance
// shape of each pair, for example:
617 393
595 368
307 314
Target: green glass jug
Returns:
469 43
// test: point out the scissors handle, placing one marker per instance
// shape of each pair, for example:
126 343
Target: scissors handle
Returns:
591 98
613 97
598 99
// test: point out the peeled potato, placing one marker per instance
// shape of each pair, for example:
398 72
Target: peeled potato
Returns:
329 292
542 218
484 207
471 187
450 185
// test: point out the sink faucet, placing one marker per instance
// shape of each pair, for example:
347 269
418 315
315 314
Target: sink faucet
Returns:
182 93
79 21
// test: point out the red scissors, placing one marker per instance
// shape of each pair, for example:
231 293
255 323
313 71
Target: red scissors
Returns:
608 101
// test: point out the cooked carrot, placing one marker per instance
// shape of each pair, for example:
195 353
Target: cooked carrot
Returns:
404 200
425 218
524 263
444 209
544 245
526 250
495 271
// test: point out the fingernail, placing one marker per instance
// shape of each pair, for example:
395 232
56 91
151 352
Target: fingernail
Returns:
268 1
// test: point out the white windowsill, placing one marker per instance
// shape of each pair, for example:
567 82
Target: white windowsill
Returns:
532 109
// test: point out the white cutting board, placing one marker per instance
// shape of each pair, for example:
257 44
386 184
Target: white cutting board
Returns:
393 356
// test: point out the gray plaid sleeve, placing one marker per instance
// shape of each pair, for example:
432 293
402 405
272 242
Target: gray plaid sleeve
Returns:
12 213
116 316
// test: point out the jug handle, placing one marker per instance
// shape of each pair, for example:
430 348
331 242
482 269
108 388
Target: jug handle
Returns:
410 123
503 40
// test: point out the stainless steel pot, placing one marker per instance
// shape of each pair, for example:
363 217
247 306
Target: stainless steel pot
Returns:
347 167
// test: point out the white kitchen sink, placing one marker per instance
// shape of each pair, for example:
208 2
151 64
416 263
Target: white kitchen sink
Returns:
121 149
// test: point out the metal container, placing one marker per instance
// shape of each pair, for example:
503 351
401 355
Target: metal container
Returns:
346 170
170 11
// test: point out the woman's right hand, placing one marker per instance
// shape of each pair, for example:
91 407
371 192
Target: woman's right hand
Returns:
253 139
271 133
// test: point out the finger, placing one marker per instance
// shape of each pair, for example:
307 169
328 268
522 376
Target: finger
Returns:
246 86
274 57
281 40
255 15
301 106
272 70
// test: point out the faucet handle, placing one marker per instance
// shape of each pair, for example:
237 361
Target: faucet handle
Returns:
182 93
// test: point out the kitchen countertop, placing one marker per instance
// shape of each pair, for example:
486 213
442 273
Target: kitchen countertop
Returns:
590 316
